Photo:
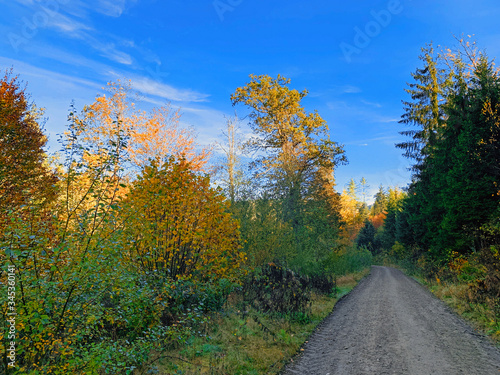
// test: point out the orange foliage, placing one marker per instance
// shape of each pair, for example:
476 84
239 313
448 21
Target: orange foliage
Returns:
154 135
378 220
24 177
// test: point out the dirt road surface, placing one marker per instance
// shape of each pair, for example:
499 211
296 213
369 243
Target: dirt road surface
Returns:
389 324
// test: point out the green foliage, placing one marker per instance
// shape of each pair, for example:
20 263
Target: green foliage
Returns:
483 278
293 216
265 235
455 192
350 259
84 304
380 204
113 269
366 238
277 289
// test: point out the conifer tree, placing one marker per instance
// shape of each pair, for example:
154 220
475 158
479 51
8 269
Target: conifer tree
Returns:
424 111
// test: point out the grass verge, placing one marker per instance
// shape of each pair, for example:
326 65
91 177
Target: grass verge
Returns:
240 340
458 297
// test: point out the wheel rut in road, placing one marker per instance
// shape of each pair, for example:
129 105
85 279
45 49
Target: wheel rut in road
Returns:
390 324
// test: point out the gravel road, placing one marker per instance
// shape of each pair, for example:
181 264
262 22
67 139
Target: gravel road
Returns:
389 324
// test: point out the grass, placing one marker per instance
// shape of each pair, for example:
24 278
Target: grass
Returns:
457 296
240 340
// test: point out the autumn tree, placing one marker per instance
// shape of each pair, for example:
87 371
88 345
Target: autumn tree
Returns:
294 143
25 177
351 220
352 189
294 168
150 135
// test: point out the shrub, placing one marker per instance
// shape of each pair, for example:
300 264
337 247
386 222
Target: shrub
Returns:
274 288
485 283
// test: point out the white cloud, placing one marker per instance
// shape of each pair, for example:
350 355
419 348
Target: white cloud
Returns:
29 70
371 104
112 8
349 89
164 91
69 26
74 29
110 52
387 119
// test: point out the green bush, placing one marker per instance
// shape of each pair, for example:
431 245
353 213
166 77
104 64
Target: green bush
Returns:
274 288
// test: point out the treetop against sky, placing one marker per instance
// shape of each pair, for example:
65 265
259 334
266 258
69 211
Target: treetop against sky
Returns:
354 58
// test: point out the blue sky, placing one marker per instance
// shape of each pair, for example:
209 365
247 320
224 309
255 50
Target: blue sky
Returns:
195 53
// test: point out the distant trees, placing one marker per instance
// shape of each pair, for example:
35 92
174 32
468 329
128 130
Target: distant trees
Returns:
377 226
366 237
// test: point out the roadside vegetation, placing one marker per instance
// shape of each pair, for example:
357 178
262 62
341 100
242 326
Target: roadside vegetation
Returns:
241 339
133 251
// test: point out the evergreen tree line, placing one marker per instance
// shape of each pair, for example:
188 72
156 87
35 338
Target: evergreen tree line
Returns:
451 208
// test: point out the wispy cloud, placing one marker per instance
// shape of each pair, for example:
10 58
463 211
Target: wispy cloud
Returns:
110 51
68 25
32 71
165 91
79 28
112 8
371 104
349 89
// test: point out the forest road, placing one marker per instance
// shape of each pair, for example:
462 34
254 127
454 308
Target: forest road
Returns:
389 324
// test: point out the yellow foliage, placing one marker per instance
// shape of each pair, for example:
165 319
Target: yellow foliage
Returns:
179 226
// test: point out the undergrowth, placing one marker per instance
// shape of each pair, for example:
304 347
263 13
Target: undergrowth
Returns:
242 339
